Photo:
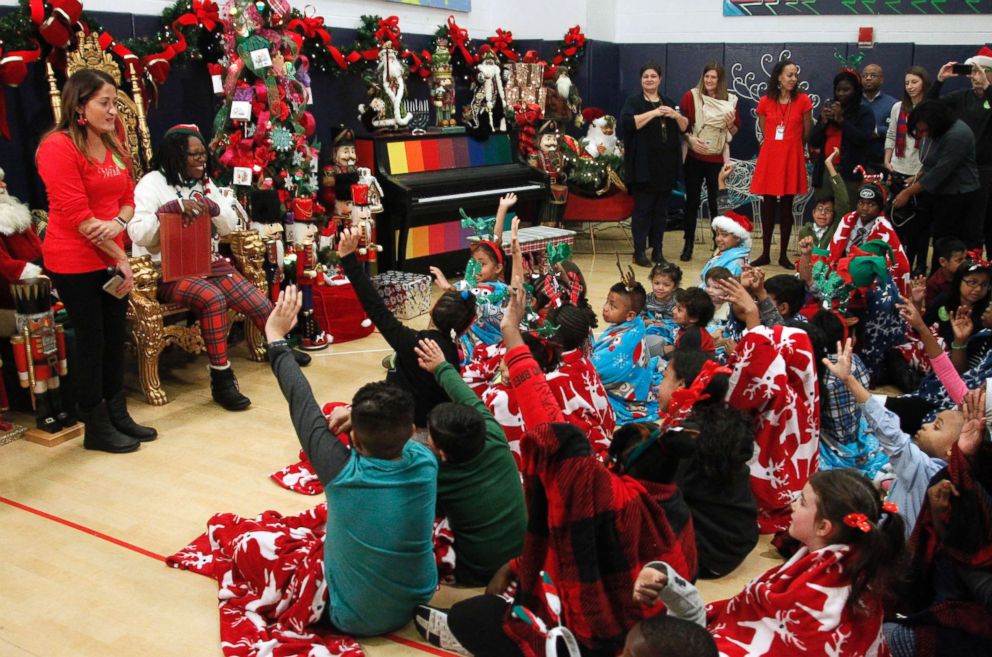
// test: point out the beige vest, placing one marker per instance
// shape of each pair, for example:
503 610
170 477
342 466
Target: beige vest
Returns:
710 126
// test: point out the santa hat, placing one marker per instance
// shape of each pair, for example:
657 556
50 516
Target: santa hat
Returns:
735 224
982 58
486 52
591 114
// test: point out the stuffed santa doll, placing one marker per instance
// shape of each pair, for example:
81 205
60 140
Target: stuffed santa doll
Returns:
601 136
20 248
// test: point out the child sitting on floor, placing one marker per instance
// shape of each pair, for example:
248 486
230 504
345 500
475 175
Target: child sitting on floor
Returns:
693 311
661 327
914 460
378 555
788 293
732 234
478 485
621 358
451 316
828 598
828 211
949 252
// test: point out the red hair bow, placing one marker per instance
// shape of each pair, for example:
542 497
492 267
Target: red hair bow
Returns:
858 521
890 507
975 255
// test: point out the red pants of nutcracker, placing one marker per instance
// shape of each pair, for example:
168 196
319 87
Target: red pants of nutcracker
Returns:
210 298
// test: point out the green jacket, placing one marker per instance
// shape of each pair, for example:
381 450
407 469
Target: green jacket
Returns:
842 205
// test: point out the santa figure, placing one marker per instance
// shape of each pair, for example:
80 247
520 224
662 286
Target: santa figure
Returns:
601 137
20 248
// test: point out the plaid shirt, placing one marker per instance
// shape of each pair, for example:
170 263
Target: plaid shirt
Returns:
841 414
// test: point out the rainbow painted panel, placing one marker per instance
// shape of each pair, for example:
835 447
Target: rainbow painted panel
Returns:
418 155
435 239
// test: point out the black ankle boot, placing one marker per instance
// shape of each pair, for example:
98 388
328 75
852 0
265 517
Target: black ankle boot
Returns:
224 388
101 434
123 422
686 251
63 415
45 413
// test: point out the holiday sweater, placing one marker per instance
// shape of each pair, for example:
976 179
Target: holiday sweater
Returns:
774 380
153 195
799 607
406 373
378 556
591 529
481 497
80 189
627 371
878 229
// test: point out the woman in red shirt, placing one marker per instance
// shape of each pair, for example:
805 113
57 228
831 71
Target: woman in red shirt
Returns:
785 118
87 175
713 121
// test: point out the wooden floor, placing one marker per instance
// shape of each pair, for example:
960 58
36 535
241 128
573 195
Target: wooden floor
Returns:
84 534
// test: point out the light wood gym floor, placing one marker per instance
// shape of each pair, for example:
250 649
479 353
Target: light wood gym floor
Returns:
84 534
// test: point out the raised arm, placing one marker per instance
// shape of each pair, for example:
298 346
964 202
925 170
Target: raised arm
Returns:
942 366
537 403
326 453
505 203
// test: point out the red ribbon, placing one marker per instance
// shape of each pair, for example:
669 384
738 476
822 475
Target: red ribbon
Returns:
389 30
207 14
13 71
107 42
502 42
417 66
459 37
311 27
57 28
858 521
890 507
975 256
575 37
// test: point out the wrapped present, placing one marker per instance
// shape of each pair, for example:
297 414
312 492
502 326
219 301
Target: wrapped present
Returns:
406 294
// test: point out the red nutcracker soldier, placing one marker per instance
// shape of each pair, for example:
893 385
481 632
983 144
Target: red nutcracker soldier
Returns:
309 272
343 161
39 352
361 219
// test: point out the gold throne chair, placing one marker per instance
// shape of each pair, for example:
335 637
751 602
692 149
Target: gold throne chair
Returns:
155 325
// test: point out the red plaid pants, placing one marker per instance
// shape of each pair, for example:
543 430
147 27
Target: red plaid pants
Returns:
210 297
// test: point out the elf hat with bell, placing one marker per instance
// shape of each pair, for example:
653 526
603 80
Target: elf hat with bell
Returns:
982 58
736 224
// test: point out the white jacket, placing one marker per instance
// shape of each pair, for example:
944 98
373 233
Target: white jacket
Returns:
151 193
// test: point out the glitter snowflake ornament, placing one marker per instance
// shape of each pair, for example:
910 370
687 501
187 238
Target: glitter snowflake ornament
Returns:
282 138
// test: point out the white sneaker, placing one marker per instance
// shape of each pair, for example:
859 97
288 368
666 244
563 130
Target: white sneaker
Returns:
432 626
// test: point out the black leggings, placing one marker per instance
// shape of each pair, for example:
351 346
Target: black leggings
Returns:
99 322
772 208
696 171
647 224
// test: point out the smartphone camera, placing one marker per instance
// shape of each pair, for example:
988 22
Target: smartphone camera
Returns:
961 69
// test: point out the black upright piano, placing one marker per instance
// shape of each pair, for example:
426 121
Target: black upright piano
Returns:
426 179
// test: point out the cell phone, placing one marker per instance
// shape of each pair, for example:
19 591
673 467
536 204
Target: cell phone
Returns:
961 69
113 286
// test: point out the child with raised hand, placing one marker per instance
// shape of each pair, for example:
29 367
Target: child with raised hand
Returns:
595 524
829 210
913 460
484 278
828 598
451 316
379 554
478 485
621 357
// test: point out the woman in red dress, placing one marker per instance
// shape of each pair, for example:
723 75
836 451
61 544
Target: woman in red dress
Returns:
785 119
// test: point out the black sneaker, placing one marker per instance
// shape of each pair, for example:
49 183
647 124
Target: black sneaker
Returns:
432 626
641 260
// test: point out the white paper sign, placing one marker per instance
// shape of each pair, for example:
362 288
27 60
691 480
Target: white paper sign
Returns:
260 58
242 176
241 109
218 84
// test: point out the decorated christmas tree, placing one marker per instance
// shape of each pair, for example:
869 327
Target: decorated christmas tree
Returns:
263 133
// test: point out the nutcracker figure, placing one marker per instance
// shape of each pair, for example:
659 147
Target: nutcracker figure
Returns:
550 160
300 225
361 219
442 85
309 272
39 352
343 160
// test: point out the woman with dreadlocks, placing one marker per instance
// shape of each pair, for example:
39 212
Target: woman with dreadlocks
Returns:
592 527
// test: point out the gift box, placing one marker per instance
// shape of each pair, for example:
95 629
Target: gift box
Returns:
406 294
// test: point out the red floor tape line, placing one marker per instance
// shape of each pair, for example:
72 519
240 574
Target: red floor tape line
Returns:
85 530
148 553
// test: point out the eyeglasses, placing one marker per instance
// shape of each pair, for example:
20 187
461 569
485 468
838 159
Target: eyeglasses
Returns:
975 283
202 155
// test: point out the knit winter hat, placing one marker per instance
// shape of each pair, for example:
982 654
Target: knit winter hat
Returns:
735 224
982 58
188 129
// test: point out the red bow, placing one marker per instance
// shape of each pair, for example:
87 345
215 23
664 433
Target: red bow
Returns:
975 255
207 14
502 42
858 521
131 62
890 507
13 70
389 30
683 399
575 40
310 26
459 37
57 28
417 66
